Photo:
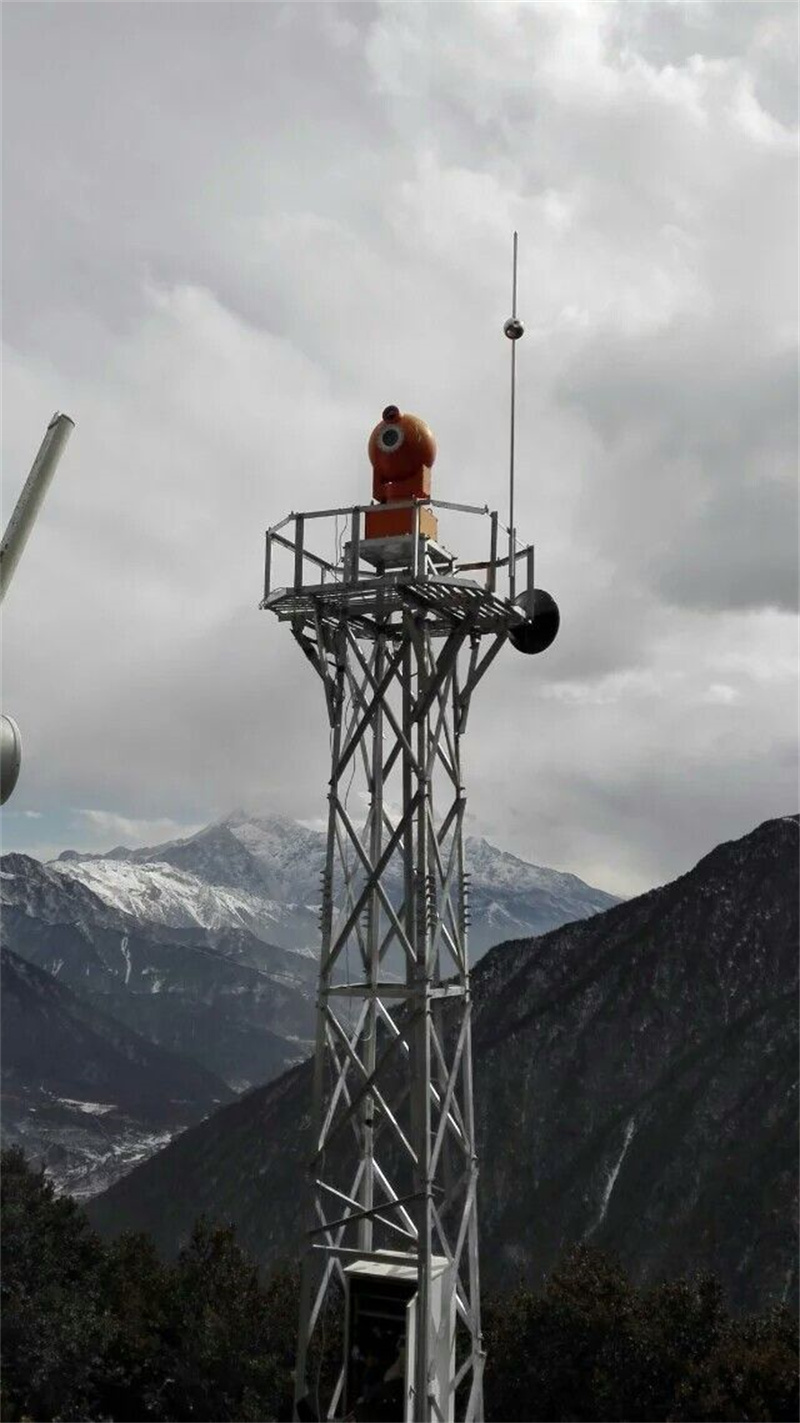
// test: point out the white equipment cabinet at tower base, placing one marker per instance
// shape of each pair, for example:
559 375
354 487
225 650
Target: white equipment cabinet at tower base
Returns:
381 1326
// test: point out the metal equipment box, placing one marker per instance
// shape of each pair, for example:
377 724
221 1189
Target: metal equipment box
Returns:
380 1312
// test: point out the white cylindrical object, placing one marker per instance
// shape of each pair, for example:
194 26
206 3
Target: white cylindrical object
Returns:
29 502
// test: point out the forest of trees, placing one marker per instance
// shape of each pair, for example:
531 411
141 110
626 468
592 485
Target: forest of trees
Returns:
96 1330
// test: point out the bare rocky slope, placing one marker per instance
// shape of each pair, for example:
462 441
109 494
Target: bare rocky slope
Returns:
636 1086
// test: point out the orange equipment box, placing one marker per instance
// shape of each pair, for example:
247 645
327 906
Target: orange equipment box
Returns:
384 522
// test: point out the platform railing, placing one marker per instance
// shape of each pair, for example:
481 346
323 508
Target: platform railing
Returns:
291 535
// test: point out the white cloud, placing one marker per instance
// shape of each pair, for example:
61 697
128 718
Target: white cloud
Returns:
106 826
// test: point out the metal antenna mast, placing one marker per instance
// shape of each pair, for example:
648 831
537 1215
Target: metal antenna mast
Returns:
401 633
513 329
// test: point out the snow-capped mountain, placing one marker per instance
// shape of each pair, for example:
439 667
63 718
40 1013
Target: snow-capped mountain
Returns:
263 873
220 995
510 898
158 892
270 856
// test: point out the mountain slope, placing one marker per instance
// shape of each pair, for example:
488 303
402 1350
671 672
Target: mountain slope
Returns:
82 1093
223 997
263 873
157 892
635 1078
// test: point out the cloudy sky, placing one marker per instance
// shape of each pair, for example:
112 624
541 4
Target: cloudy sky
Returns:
234 232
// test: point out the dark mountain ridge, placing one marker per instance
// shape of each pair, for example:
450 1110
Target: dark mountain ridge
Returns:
636 1086
673 1040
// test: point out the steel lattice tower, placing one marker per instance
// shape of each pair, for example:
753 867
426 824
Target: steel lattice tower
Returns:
400 636
400 632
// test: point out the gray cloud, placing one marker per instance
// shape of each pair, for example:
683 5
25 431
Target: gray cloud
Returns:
695 483
233 233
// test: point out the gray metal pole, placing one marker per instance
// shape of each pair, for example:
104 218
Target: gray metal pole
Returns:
512 532
513 329
30 500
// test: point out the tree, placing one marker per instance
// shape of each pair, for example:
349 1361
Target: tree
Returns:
592 1346
110 1332
547 1349
750 1373
94 1331
227 1349
137 1359
55 1325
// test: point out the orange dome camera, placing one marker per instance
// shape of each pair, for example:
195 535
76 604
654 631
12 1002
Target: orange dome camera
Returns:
401 451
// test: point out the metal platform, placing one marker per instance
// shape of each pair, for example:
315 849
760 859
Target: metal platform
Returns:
375 580
443 601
